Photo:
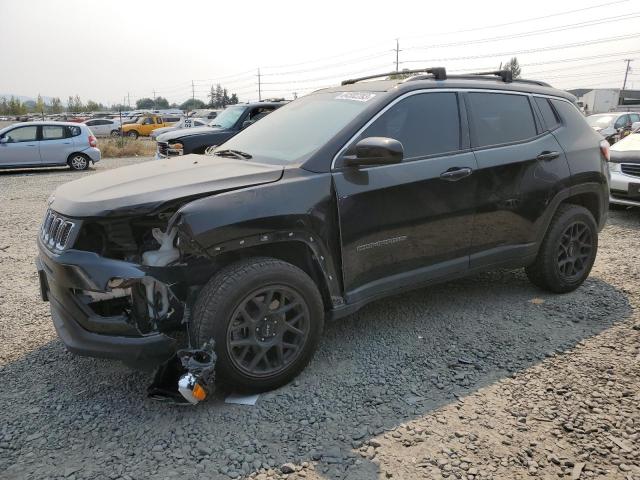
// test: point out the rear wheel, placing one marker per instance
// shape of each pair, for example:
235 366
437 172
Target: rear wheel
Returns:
265 316
568 250
132 134
78 161
115 133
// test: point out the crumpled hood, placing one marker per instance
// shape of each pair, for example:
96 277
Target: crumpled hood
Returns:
142 188
626 150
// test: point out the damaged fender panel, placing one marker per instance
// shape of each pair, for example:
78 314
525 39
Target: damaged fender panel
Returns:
300 207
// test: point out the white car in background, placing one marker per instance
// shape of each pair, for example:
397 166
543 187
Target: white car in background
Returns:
624 166
184 123
104 127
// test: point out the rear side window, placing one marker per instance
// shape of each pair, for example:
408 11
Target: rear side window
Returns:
425 124
52 132
72 131
548 114
501 118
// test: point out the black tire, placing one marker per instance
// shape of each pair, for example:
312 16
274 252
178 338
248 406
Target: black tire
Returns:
132 134
222 313
115 133
78 161
568 250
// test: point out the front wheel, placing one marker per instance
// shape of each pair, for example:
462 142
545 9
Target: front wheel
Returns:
77 161
132 134
265 316
115 133
568 250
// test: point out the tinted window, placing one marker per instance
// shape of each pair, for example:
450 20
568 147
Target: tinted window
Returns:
22 134
91 123
52 132
425 124
501 118
548 114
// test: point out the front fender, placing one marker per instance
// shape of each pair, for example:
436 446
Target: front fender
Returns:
301 207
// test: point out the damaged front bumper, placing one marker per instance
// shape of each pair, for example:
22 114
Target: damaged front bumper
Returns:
66 277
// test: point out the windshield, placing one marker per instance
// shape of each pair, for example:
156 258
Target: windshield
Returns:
295 131
599 120
228 117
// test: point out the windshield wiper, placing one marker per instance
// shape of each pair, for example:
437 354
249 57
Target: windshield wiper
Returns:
232 153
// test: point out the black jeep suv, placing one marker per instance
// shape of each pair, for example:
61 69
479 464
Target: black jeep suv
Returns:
339 198
229 122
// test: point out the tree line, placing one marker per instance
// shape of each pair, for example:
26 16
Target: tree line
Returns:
219 97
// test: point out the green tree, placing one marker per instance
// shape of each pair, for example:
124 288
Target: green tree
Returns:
513 66
400 75
16 107
192 104
94 106
4 106
39 107
233 100
144 103
162 103
56 105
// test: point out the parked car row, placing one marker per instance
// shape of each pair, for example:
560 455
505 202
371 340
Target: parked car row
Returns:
614 126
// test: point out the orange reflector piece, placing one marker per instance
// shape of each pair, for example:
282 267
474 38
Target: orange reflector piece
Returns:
199 393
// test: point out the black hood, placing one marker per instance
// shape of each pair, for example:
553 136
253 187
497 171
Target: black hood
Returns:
188 132
143 188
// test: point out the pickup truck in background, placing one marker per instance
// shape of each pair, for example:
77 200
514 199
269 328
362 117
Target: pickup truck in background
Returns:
147 124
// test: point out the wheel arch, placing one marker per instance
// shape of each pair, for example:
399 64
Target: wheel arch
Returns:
296 252
72 154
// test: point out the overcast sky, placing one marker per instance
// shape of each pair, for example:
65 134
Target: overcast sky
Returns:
104 49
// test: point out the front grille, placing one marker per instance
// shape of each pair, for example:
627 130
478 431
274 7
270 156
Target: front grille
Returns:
631 169
56 230
163 148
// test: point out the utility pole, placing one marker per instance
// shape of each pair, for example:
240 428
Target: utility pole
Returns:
259 87
154 99
397 54
193 94
626 72
128 101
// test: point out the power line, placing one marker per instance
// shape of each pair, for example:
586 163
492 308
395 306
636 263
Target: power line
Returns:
562 28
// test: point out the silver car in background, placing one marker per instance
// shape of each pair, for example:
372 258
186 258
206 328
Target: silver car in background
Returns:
624 166
44 144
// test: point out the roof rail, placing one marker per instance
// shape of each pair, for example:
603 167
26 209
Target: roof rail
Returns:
505 75
439 73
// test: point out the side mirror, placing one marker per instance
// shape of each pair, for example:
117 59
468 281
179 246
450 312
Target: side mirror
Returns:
246 123
375 151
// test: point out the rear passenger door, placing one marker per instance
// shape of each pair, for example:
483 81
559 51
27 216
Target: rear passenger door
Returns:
521 167
410 222
55 147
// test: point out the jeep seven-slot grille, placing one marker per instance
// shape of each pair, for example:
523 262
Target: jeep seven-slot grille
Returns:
56 230
631 169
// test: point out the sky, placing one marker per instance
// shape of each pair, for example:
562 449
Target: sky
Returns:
104 50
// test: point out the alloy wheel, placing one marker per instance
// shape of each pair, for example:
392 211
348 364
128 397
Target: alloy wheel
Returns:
78 162
268 331
575 250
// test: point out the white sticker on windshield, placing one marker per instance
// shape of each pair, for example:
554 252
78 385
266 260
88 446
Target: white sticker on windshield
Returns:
356 96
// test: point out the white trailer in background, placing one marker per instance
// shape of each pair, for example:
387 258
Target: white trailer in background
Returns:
600 100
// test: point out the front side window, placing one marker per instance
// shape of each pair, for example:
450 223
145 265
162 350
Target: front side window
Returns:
425 124
22 134
500 118
147 121
52 132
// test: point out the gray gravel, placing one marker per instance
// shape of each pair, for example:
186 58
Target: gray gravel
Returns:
486 377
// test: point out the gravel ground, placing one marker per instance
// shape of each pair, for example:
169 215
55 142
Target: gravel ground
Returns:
481 378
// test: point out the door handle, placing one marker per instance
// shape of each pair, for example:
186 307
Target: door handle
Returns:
548 156
456 173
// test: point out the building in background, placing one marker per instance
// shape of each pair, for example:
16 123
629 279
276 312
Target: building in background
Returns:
603 100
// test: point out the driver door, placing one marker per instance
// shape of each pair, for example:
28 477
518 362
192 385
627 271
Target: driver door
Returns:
20 147
410 222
